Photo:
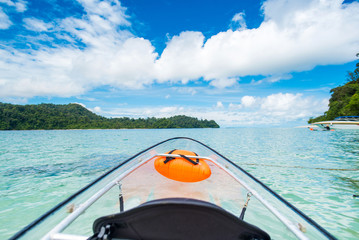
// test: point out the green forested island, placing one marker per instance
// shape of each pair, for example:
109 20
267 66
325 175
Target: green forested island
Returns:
344 100
75 116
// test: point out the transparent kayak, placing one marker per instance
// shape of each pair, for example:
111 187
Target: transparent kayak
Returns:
176 189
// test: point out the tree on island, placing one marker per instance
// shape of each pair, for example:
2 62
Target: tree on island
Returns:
354 76
344 100
75 116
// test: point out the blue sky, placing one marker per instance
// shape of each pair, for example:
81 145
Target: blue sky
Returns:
241 63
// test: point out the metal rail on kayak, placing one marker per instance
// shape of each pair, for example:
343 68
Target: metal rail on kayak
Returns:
55 233
77 212
293 228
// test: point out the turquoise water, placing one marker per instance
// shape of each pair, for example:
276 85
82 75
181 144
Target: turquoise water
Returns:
318 172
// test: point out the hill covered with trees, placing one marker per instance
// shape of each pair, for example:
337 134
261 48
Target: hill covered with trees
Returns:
75 116
344 100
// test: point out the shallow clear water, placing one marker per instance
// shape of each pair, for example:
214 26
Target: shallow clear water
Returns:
318 172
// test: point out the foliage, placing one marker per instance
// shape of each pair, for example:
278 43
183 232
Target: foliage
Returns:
74 116
354 76
344 100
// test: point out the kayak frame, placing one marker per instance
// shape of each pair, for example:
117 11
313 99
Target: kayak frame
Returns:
294 229
78 211
54 233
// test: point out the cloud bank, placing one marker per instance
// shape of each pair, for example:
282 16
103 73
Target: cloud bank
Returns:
274 110
295 36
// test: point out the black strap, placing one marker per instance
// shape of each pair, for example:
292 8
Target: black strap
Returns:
103 234
183 156
242 213
249 195
120 200
188 159
169 158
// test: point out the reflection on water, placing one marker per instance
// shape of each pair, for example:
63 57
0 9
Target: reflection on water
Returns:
348 184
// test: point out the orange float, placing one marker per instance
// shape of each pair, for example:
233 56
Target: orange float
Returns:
183 169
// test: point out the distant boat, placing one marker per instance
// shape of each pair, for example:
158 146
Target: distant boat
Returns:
344 122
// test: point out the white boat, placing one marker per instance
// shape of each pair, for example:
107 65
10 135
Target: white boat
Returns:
167 193
345 122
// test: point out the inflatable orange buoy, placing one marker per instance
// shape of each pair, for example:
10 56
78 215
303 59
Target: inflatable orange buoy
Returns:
182 168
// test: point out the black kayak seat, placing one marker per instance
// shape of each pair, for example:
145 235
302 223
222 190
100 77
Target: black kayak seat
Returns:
178 218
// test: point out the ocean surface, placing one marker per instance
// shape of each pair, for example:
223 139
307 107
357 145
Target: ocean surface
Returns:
317 171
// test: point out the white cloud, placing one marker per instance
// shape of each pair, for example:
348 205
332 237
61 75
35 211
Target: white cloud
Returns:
42 76
171 110
224 82
281 102
248 101
127 64
295 36
97 109
219 104
111 57
238 21
277 78
234 106
19 5
186 90
37 25
81 104
111 11
182 59
289 107
5 22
